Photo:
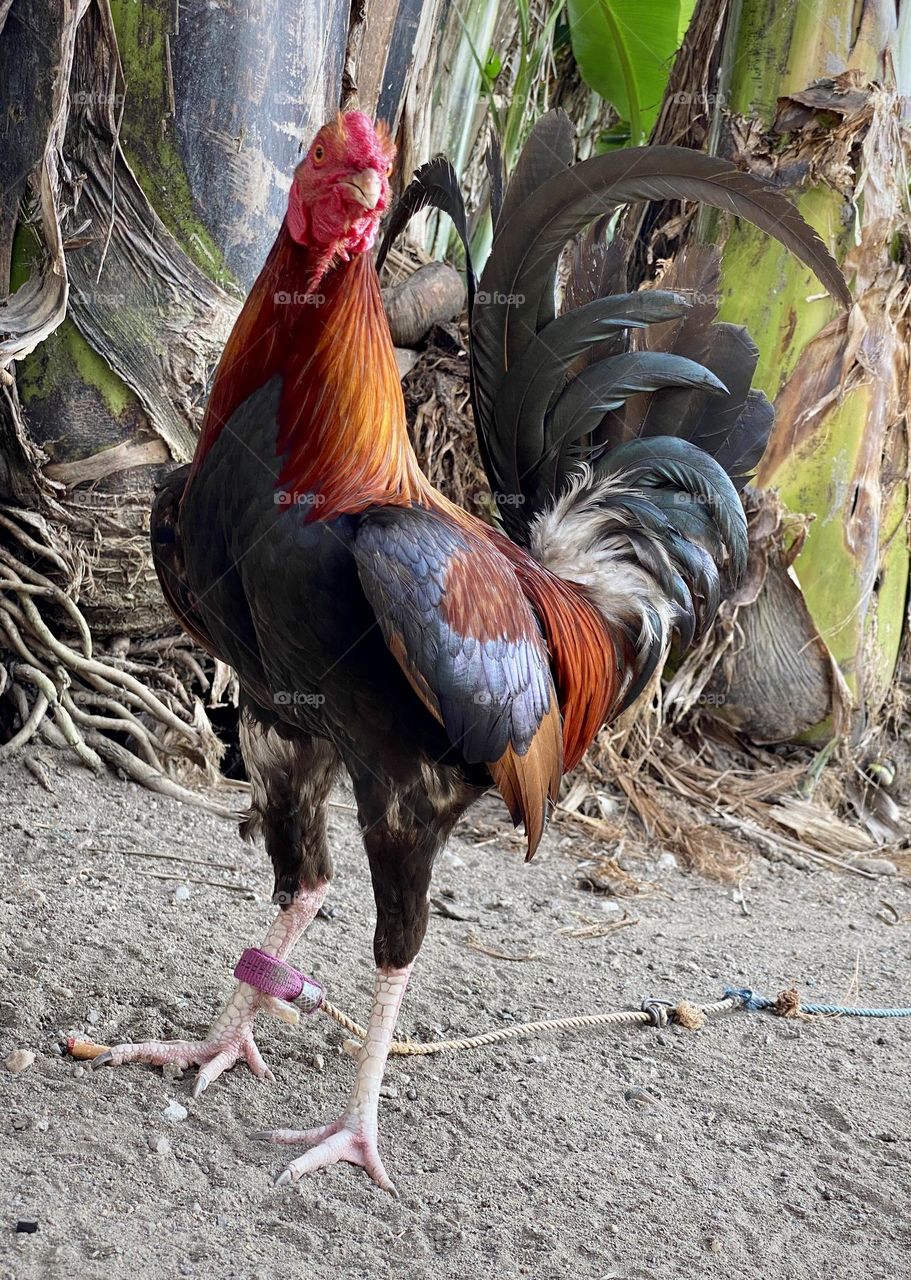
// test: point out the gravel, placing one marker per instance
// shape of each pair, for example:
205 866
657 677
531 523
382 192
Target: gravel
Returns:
779 1149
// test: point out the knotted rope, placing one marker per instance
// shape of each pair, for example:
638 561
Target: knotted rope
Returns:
655 1013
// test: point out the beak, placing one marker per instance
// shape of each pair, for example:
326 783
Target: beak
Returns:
365 188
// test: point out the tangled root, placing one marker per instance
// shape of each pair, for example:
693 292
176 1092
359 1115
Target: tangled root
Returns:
63 691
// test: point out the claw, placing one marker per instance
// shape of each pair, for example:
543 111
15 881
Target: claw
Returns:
103 1060
343 1146
213 1056
230 1040
353 1136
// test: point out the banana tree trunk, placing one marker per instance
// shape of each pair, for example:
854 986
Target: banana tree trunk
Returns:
159 157
817 104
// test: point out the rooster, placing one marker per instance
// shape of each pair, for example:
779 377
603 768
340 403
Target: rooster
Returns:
378 628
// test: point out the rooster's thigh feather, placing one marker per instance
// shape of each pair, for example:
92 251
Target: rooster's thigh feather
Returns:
405 819
291 775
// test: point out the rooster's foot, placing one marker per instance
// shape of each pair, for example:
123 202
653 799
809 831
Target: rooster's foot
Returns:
230 1039
348 1138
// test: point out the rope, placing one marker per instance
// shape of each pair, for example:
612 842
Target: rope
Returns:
655 1013
788 1005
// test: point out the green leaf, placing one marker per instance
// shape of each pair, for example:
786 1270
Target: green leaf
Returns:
493 66
624 50
614 138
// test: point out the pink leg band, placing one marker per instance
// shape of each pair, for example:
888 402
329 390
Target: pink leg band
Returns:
277 978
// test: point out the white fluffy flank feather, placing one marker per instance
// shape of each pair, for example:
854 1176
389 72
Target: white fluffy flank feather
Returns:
573 541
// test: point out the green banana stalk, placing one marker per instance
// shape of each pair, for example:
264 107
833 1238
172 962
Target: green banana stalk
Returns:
810 108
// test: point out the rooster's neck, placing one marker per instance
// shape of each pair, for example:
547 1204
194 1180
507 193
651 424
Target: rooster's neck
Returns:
342 435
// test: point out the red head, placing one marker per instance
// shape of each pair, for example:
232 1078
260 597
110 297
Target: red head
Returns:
341 188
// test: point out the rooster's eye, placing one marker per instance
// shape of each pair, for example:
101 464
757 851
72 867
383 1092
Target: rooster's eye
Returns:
389 167
319 153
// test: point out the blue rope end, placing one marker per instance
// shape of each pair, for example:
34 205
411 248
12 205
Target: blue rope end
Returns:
748 999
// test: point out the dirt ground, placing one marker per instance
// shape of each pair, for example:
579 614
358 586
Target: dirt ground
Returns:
773 1149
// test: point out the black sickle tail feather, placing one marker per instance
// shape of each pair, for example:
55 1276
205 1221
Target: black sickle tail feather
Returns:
493 160
618 433
514 317
434 186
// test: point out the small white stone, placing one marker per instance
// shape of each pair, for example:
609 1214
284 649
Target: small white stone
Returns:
93 1017
182 893
388 1091
667 862
174 1112
18 1060
159 1144
317 1061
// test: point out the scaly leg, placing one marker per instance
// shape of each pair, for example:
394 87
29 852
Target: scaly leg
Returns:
291 775
404 821
230 1037
353 1136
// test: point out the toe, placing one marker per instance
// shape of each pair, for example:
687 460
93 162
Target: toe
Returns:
157 1053
330 1144
256 1062
211 1070
329 1151
282 1010
374 1166
288 1137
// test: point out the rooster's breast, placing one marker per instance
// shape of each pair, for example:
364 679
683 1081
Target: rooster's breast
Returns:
277 590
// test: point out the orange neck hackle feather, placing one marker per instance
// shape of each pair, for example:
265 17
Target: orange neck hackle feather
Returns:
342 433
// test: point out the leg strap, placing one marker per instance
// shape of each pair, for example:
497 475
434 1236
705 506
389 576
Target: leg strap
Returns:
277 978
